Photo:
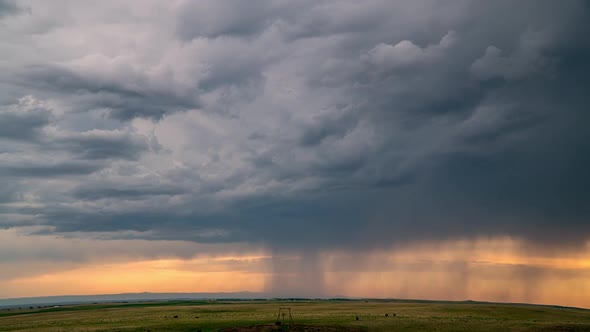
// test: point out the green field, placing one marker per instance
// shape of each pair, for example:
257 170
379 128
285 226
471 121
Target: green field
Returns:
315 316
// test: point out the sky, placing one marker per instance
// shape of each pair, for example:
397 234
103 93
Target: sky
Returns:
393 149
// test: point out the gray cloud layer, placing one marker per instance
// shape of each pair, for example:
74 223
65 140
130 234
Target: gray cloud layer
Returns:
307 124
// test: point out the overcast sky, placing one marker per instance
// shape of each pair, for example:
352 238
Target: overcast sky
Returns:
298 127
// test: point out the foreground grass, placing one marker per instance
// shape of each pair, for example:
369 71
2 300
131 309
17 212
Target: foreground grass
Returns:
213 316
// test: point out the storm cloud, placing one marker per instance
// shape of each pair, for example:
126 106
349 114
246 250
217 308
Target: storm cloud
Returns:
342 125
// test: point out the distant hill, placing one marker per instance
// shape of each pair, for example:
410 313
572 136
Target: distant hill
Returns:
76 299
146 296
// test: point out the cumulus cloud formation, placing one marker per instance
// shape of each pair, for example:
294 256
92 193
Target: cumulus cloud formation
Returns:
405 53
322 125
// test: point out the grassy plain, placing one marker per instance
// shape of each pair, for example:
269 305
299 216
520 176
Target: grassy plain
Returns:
318 316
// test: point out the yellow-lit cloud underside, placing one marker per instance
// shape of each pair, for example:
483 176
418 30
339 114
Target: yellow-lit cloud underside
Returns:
490 269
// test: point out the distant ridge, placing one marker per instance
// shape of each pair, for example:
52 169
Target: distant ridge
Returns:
146 296
77 299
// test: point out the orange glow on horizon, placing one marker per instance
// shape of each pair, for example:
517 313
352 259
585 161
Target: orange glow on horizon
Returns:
163 275
487 269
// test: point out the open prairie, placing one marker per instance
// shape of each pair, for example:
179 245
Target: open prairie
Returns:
246 316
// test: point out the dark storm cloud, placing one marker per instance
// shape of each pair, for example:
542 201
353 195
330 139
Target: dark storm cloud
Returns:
147 223
498 162
97 145
130 192
50 169
343 126
117 92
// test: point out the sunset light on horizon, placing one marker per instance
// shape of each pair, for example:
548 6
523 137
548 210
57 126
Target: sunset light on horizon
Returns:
482 269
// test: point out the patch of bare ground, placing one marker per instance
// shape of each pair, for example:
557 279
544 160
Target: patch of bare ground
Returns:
296 328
